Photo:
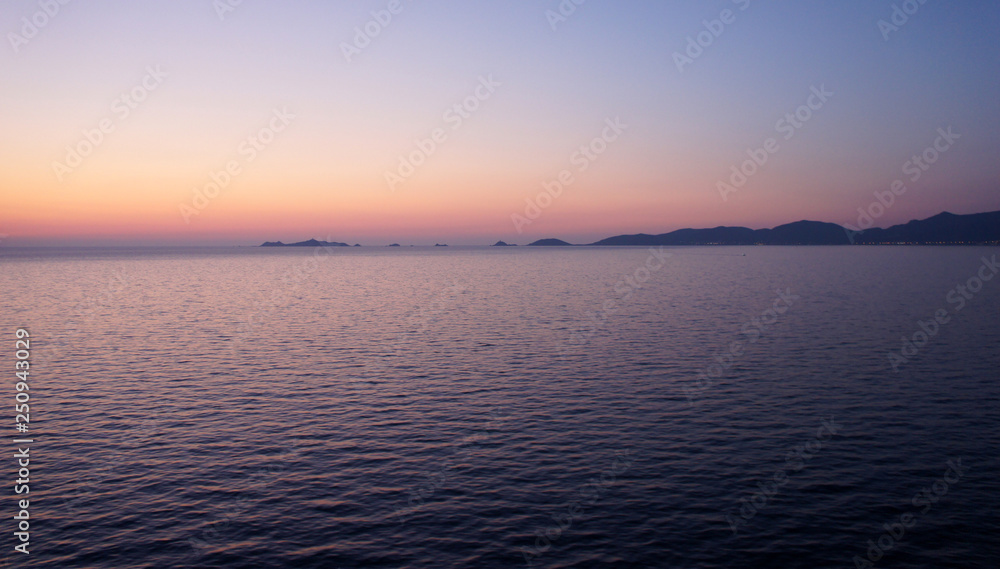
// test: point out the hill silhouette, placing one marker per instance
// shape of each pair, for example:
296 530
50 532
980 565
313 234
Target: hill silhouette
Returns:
309 243
944 228
549 243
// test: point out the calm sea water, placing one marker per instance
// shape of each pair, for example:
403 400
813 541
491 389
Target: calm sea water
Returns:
483 407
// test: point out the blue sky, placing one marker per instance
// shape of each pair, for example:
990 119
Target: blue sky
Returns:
687 129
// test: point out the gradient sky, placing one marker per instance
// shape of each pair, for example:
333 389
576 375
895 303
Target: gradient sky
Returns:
323 175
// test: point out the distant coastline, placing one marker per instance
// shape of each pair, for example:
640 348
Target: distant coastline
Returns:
942 229
309 243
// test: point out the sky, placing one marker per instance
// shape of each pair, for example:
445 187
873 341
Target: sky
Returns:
232 122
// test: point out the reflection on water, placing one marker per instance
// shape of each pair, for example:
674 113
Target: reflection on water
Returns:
475 407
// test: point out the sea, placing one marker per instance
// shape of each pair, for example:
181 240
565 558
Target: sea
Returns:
481 407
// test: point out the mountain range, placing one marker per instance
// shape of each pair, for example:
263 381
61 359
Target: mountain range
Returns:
942 229
309 243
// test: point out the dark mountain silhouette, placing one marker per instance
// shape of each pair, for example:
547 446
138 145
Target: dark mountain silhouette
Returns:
804 233
798 233
549 243
310 243
944 228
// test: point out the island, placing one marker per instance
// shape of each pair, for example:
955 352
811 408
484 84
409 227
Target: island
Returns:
549 243
942 229
309 243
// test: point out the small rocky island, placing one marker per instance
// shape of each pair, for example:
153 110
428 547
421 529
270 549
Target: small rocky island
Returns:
310 243
549 243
